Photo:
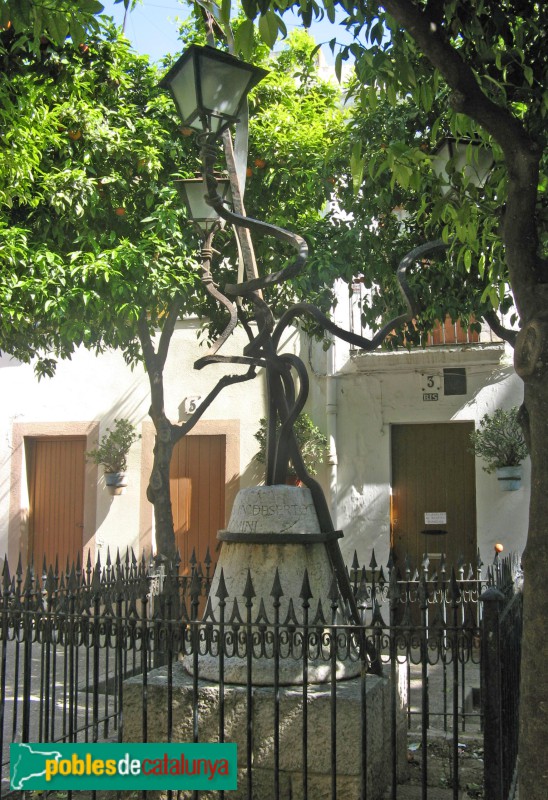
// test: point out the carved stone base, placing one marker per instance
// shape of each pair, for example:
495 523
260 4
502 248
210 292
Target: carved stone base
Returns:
349 716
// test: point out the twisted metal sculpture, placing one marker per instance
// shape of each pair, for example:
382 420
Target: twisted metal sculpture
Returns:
286 395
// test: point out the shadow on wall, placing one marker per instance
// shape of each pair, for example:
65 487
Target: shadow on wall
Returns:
253 475
497 376
128 406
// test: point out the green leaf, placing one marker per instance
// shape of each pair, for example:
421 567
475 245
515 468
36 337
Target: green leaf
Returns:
77 31
250 9
243 39
357 163
91 6
57 26
268 28
338 66
529 76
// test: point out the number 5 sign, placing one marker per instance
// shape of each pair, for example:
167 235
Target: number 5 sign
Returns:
190 404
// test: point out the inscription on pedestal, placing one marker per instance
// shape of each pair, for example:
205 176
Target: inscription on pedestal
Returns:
273 509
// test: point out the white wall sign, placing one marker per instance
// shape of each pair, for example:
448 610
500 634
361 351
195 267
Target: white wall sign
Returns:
429 397
191 404
435 518
430 383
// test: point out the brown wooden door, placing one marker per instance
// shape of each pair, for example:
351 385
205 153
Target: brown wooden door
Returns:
197 480
433 493
55 472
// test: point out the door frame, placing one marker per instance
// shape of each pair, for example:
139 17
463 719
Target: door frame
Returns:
18 530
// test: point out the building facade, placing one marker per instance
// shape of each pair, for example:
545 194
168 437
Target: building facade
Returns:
400 474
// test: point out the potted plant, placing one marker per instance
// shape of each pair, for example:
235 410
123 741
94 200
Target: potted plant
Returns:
500 442
312 444
112 451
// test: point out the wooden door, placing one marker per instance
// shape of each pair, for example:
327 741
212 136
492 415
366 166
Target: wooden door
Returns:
433 493
197 481
55 473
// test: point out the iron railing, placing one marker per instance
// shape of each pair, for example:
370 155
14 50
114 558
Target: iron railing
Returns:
101 653
501 634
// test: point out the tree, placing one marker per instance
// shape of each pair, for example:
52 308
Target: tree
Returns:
488 59
95 248
38 20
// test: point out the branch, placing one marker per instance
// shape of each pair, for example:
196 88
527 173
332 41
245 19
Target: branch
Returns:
154 370
149 354
506 334
167 330
178 431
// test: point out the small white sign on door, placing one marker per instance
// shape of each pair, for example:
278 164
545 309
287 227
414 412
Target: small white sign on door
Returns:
435 518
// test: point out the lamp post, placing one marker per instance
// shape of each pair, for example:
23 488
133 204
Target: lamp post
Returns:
209 88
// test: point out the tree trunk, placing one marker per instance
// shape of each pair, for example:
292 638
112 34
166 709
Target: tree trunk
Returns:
531 364
158 488
158 491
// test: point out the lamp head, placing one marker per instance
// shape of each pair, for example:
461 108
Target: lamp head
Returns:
194 192
209 87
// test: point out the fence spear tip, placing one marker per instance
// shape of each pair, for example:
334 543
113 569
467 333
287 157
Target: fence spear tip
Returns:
222 591
249 589
333 593
306 591
276 592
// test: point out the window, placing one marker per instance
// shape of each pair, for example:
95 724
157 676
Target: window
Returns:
454 381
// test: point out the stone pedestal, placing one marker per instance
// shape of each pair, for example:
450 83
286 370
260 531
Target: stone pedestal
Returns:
276 527
348 736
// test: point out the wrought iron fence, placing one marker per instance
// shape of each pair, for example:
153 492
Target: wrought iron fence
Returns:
120 652
502 629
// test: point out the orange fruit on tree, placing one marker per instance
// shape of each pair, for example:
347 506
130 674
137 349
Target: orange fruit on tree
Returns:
260 163
120 212
186 131
249 172
74 135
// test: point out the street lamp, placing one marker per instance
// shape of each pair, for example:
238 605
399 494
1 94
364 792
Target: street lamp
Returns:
209 87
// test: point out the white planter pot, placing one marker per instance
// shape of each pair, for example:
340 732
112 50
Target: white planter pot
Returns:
509 478
115 482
